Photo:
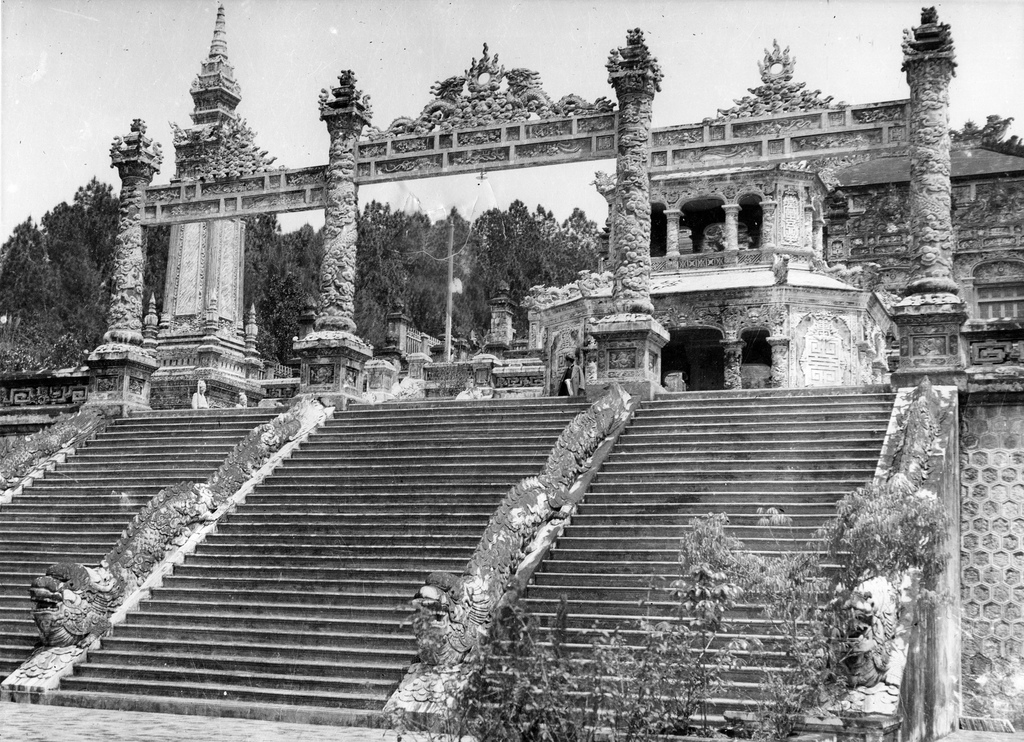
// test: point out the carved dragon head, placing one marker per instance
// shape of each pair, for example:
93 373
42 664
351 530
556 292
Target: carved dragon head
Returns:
71 607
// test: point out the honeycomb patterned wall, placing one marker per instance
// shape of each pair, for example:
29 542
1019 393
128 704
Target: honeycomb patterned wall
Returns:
992 567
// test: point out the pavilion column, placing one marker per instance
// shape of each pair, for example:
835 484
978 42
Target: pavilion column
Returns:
768 210
732 226
332 356
929 317
672 239
733 361
780 361
629 341
120 368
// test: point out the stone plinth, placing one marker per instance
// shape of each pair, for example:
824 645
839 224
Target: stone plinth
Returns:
416 363
928 327
119 378
628 353
520 377
332 365
381 376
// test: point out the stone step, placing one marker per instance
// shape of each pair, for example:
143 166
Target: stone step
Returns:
209 585
209 629
143 648
133 687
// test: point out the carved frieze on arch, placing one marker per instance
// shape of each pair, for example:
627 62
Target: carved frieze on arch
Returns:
999 270
691 316
730 319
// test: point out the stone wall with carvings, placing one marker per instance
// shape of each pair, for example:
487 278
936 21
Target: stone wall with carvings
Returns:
992 549
871 225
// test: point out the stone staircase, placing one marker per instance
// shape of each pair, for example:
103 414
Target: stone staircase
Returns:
691 454
77 512
297 607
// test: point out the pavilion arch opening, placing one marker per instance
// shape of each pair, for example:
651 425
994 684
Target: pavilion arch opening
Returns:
703 218
659 231
756 364
749 221
698 355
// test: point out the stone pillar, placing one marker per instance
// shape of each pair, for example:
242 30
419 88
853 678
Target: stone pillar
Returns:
636 77
137 160
818 237
930 316
732 227
332 355
733 361
629 342
672 239
120 368
780 361
768 211
605 185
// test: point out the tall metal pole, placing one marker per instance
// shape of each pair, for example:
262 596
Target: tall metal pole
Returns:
448 313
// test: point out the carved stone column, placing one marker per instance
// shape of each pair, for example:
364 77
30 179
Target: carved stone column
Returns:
808 229
685 240
630 340
499 337
672 239
120 368
768 211
636 76
332 355
929 317
780 361
137 160
733 361
732 229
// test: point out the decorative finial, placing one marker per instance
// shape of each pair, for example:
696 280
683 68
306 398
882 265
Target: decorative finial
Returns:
136 154
633 66
219 45
930 40
345 98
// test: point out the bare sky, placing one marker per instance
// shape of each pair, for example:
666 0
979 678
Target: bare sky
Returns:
76 72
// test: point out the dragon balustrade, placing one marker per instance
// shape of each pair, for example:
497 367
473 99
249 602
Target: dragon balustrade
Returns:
884 614
453 613
20 457
74 603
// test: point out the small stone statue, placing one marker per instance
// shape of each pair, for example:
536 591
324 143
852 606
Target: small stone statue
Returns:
199 398
243 401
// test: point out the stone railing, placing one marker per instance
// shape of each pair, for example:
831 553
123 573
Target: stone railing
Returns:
453 613
75 604
61 388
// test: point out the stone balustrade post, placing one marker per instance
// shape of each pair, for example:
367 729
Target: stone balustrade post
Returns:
732 227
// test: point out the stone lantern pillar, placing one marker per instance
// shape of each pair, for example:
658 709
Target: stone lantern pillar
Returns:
120 368
629 341
332 356
499 337
929 317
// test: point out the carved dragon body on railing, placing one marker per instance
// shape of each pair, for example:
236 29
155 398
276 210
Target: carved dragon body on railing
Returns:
73 602
19 457
880 610
454 612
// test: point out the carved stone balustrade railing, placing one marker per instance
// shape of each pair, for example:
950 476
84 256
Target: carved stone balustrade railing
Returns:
723 259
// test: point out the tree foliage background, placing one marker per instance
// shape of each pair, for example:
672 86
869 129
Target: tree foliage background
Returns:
54 274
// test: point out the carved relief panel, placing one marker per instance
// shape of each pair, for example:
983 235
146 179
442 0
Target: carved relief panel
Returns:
823 351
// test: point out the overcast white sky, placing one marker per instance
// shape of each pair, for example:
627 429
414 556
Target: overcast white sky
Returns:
76 72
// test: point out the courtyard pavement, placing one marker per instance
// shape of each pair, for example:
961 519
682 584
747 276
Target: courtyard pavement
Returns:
35 723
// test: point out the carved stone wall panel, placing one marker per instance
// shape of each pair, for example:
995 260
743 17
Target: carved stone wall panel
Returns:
191 278
823 347
992 552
